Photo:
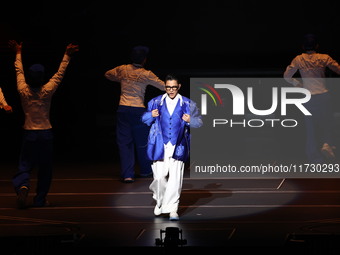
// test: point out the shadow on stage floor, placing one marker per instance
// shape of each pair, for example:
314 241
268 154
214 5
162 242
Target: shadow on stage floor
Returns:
92 211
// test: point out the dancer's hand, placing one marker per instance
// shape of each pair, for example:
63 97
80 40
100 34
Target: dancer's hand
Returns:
15 46
186 117
8 108
155 113
71 48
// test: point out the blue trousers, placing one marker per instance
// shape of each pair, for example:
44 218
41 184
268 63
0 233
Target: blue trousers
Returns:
319 126
36 151
132 139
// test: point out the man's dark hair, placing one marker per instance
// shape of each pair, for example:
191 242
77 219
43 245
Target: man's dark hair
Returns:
310 42
139 54
171 77
36 73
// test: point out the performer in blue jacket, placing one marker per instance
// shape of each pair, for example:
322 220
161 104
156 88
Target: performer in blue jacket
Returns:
170 117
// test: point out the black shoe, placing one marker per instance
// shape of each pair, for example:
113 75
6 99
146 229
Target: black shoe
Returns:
128 180
45 204
22 197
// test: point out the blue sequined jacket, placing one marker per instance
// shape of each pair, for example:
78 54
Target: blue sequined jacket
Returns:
165 128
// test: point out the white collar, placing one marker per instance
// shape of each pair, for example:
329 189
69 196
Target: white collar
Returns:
178 95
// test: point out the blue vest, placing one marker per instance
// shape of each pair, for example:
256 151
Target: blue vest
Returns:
170 125
165 128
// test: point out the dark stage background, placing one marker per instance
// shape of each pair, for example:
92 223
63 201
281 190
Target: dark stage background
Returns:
188 38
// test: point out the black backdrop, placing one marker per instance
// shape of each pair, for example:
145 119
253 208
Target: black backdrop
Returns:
188 38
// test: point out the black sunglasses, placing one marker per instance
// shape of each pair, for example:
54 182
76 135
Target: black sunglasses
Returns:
171 87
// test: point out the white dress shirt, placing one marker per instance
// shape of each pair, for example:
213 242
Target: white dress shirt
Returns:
171 103
169 148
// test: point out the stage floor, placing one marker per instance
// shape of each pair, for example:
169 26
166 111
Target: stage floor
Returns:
91 210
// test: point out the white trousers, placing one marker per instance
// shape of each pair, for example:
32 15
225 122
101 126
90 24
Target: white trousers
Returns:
167 181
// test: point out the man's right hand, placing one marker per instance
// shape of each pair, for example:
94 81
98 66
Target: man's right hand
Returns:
155 113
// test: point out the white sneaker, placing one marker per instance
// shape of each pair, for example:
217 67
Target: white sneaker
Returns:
174 216
157 211
327 151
